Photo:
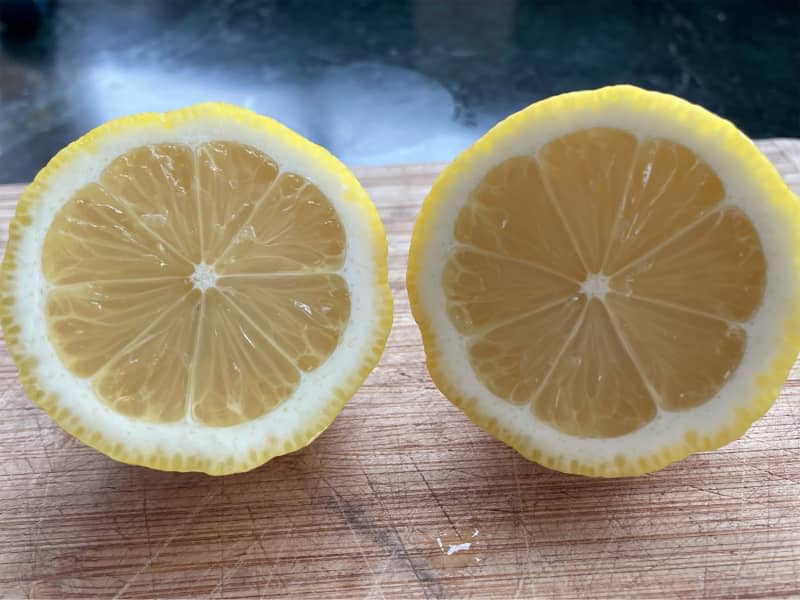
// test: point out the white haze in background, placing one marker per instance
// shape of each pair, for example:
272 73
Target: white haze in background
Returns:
364 113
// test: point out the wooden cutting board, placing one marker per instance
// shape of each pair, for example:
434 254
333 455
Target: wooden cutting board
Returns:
401 498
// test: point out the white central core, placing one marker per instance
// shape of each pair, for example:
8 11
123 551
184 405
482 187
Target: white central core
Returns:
204 277
595 286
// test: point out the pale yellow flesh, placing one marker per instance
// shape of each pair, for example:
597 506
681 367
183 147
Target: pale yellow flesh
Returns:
160 343
603 279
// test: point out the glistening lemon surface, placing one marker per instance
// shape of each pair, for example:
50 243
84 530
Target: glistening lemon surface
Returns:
196 290
607 281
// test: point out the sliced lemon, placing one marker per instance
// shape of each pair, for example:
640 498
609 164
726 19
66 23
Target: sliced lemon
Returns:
608 281
197 290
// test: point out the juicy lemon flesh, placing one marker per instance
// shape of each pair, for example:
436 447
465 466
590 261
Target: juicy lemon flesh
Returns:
603 279
195 283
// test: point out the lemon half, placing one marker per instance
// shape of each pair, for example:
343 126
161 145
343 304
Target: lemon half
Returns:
197 290
608 281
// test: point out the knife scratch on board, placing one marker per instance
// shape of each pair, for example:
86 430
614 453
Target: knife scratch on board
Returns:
525 574
337 497
175 532
435 497
424 579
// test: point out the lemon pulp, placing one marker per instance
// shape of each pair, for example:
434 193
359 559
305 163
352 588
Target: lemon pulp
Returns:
601 279
195 283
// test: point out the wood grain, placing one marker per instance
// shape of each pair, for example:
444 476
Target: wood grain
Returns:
372 507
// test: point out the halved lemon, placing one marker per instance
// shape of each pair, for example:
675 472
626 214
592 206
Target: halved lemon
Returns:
608 281
197 290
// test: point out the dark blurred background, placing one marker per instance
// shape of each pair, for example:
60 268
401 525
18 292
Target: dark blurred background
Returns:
381 81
